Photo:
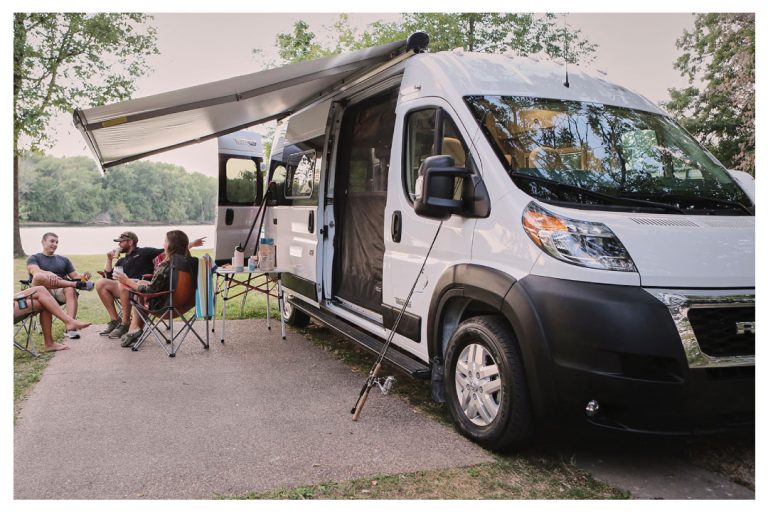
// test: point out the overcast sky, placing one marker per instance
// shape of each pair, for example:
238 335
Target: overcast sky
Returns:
636 50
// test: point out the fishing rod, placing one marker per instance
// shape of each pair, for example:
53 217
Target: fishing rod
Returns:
373 376
261 212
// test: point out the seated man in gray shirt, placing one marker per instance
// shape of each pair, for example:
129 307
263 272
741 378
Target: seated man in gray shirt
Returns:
57 273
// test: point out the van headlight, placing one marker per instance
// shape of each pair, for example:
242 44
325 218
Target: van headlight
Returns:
587 244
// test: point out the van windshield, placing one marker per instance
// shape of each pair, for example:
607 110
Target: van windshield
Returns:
605 156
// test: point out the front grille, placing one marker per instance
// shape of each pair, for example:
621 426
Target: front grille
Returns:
715 330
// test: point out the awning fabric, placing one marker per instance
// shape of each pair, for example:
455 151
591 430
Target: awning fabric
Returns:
133 129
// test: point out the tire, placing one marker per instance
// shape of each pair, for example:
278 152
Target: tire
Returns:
495 410
293 316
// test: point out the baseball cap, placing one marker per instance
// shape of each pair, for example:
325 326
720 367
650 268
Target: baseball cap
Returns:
127 235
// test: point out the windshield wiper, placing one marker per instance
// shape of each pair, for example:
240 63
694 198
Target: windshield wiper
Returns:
714 200
599 195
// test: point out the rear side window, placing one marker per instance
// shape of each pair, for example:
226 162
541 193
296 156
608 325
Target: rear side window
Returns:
431 132
296 173
241 182
300 175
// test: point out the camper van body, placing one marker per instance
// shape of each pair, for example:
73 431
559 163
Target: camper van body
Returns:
647 342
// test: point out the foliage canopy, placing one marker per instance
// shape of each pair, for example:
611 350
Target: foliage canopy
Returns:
519 33
65 60
720 51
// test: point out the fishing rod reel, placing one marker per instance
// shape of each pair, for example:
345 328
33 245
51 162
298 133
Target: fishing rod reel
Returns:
386 387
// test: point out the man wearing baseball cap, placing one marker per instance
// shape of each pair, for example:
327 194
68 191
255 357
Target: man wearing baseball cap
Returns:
136 263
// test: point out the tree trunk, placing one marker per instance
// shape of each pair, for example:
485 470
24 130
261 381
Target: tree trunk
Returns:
18 250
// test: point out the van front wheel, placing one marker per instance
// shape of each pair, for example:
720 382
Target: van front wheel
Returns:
485 384
293 316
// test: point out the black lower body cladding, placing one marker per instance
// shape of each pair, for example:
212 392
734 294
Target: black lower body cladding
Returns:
618 345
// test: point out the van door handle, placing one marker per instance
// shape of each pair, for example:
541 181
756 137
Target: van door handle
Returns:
397 226
311 222
229 216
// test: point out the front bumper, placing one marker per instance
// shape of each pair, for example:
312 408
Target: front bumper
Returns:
631 352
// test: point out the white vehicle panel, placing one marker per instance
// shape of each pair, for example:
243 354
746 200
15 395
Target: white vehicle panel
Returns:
715 252
296 246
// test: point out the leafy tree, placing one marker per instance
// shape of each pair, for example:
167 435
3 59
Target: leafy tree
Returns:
73 190
719 52
299 45
521 33
64 60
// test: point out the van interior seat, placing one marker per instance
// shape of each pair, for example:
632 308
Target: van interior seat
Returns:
453 147
500 138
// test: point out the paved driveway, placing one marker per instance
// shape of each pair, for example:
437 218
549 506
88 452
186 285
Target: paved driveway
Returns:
253 414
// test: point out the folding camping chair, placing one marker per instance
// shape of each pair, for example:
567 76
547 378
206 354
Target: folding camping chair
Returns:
180 299
24 326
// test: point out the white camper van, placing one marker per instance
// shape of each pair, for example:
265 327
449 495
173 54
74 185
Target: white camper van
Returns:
587 257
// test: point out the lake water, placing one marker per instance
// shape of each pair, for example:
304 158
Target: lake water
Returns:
98 239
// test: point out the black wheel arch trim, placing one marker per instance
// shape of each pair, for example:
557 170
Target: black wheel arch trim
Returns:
468 281
502 294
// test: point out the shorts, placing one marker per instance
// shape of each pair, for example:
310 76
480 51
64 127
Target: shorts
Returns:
58 294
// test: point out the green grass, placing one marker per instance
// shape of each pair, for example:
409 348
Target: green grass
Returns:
506 478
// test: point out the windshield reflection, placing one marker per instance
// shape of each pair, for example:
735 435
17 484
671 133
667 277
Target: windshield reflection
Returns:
612 151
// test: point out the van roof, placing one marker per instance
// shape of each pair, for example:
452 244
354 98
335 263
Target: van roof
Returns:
467 73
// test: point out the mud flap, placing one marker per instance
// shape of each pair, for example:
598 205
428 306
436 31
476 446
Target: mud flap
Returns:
438 388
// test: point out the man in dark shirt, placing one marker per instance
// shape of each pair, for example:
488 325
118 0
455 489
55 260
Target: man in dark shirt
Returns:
57 273
136 263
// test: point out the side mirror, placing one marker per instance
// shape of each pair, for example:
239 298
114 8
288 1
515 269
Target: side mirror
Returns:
434 188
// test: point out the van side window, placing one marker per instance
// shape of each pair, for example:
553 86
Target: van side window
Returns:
300 174
431 132
242 181
296 173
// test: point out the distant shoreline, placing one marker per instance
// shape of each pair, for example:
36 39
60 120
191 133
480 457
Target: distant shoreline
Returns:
36 224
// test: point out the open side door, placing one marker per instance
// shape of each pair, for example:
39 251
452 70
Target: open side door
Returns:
294 221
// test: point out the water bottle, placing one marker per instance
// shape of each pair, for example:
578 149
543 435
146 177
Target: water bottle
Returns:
237 258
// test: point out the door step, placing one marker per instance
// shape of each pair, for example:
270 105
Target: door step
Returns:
412 367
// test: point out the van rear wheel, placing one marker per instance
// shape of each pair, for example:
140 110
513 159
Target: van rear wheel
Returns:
293 316
485 384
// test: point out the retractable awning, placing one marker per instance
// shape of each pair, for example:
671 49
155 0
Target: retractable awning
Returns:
133 129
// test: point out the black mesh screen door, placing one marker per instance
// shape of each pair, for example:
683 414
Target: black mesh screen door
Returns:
361 195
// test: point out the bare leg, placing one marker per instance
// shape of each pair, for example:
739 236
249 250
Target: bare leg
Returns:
136 324
45 324
46 280
108 292
71 296
125 302
44 301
